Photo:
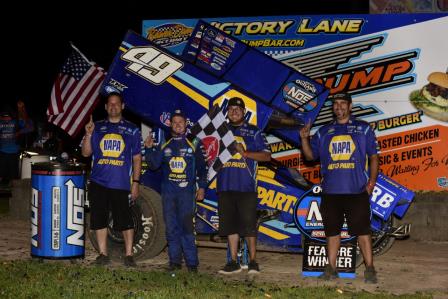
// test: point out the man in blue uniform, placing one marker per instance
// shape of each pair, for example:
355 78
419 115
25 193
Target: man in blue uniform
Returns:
345 148
183 165
116 149
9 147
237 187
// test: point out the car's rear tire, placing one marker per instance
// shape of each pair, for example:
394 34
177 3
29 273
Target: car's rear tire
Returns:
149 232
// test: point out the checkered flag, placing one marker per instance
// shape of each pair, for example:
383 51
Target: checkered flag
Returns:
218 139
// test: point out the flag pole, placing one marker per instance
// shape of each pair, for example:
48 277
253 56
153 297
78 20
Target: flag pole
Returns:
80 53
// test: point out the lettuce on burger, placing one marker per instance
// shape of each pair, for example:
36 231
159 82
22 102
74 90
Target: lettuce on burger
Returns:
432 99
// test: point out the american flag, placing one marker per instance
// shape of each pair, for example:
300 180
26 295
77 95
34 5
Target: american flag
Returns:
219 141
75 93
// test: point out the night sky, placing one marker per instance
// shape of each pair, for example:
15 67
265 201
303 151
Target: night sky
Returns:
36 36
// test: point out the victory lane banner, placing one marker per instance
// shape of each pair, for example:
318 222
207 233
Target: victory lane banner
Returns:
394 66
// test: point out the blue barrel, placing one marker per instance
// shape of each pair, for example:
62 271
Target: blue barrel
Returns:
57 210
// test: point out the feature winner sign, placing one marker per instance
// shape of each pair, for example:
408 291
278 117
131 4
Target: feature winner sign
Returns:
308 219
388 197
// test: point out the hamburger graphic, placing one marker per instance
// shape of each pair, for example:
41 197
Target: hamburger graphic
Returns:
432 99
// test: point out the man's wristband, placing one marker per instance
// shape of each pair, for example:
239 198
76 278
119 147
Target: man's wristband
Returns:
136 181
370 183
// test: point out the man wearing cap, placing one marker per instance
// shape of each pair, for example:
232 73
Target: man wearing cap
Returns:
184 179
237 187
347 150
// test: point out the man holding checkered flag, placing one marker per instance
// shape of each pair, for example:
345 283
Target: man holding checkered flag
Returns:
236 182
217 138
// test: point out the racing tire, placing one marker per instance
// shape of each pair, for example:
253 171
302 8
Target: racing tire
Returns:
149 229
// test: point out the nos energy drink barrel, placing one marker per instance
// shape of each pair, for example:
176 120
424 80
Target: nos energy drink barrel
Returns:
57 210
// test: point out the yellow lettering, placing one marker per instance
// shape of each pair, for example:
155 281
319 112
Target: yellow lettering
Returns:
290 201
326 26
268 27
354 26
279 200
303 27
254 27
284 25
239 27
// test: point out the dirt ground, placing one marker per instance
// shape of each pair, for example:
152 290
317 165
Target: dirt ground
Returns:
408 267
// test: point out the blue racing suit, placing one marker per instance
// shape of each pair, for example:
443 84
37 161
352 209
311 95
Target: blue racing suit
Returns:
183 164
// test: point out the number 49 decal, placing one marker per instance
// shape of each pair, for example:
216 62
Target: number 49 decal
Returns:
151 64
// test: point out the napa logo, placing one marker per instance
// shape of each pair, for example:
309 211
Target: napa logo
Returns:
177 164
341 147
112 145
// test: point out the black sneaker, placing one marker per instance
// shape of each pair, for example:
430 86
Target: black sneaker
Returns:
329 273
253 268
370 275
192 269
102 260
231 267
174 267
128 261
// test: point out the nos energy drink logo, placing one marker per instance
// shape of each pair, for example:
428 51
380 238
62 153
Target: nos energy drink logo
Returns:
300 95
308 217
75 213
57 215
36 217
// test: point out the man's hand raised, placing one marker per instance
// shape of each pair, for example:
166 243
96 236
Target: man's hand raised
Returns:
90 126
